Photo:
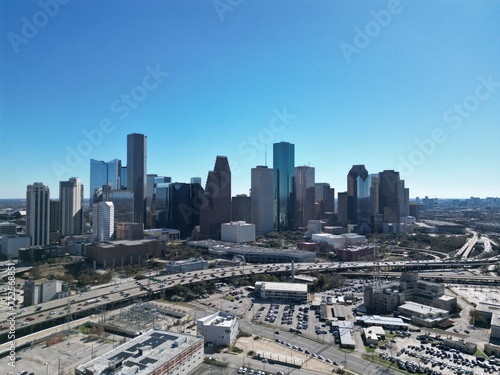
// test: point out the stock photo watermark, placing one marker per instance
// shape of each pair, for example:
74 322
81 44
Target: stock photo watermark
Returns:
224 6
31 26
11 320
122 106
363 36
454 116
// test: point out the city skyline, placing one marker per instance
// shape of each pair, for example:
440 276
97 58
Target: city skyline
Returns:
398 85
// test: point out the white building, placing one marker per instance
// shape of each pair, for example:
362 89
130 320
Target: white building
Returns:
238 231
153 352
103 221
424 315
338 242
220 328
186 265
282 291
43 290
11 245
71 206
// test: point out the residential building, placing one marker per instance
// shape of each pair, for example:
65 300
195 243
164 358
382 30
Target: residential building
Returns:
71 206
38 213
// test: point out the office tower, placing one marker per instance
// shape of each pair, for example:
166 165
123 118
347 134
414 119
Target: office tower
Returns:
71 203
124 176
55 216
104 173
161 186
374 204
123 203
153 182
103 223
283 177
261 201
196 180
241 208
389 196
38 213
358 199
304 195
325 198
342 208
185 203
217 210
136 173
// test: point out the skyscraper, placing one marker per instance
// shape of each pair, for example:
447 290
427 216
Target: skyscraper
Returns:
104 173
261 202
390 190
185 201
325 199
358 195
304 195
283 177
38 213
71 206
103 223
136 173
217 209
241 208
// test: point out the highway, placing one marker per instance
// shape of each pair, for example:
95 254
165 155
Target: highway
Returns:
117 295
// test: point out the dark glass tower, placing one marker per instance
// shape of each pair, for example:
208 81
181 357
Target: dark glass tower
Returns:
390 196
358 195
136 173
283 181
185 201
217 209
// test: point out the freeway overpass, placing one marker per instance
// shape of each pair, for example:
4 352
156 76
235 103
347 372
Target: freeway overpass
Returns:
118 295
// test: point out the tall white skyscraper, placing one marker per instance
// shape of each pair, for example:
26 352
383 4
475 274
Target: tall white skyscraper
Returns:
103 224
71 206
261 203
38 213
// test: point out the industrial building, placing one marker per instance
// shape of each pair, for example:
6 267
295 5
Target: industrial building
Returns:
43 290
282 291
220 329
154 352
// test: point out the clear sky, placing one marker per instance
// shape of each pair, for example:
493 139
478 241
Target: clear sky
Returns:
407 85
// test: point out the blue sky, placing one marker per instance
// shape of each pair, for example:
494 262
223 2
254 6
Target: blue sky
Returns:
407 85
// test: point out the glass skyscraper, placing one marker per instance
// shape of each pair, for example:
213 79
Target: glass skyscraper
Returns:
283 181
104 173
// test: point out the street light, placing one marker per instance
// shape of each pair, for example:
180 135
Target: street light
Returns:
46 368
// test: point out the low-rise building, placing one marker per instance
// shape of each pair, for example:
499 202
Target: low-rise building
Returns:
282 291
484 313
382 321
43 290
40 253
187 265
220 329
426 316
373 334
153 352
237 231
120 253
10 245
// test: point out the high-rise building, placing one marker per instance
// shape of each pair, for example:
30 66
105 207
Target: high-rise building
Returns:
155 199
185 203
241 208
103 223
71 205
342 208
55 216
325 199
261 202
217 209
390 190
104 173
123 203
283 177
358 198
196 180
38 213
304 195
124 176
136 173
